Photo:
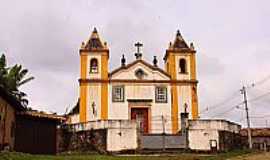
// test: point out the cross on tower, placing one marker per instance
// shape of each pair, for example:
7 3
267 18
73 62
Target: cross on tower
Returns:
138 54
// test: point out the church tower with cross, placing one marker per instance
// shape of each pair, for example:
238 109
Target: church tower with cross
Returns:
138 90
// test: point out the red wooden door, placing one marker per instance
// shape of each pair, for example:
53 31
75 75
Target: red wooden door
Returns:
141 117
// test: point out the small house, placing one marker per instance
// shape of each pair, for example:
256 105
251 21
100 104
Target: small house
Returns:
8 108
260 138
36 132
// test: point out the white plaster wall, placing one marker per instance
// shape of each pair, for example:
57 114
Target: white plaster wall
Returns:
161 109
140 91
120 110
121 134
199 139
184 96
214 124
202 131
121 139
183 76
117 110
94 95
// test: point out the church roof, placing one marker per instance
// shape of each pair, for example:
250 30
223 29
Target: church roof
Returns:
179 46
140 61
75 109
179 42
94 42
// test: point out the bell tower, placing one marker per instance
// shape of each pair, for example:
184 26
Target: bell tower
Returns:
94 56
180 63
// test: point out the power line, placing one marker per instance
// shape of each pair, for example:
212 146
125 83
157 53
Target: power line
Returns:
225 112
229 110
222 103
258 83
263 116
233 95
259 97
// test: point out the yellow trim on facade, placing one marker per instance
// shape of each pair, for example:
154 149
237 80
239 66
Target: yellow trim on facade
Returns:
104 87
83 66
194 96
83 89
194 103
174 110
83 104
192 66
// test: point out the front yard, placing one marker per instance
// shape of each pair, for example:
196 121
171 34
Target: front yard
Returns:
236 155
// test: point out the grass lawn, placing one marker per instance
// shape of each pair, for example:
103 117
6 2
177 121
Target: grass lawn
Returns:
186 156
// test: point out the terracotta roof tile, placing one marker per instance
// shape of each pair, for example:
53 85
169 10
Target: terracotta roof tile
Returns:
257 132
41 114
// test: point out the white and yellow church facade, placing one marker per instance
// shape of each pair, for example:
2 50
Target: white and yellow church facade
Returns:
139 90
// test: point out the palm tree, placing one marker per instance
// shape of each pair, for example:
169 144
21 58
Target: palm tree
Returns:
12 78
3 68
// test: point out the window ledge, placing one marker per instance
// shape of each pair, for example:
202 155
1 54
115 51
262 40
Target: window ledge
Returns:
183 72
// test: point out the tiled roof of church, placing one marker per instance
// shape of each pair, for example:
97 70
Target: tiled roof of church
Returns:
179 46
94 42
179 42
143 62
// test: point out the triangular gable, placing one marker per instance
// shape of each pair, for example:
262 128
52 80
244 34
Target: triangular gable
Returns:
128 71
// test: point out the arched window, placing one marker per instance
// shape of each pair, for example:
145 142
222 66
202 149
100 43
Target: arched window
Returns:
182 66
94 65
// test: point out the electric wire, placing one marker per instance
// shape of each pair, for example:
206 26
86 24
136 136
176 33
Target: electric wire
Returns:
222 103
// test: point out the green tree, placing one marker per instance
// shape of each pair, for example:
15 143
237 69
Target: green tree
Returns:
11 78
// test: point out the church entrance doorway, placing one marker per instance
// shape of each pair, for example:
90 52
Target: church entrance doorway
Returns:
141 117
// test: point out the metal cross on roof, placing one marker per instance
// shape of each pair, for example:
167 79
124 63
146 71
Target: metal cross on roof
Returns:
138 55
138 45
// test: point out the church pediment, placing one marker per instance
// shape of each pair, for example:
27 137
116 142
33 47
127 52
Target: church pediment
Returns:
139 70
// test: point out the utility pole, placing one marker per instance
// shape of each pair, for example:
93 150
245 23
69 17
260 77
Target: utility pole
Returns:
244 92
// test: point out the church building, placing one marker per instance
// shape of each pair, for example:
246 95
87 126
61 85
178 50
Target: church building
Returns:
140 91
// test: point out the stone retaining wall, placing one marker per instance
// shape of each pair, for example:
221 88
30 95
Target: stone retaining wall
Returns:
83 141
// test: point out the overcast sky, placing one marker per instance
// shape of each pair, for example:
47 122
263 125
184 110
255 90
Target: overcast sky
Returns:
232 39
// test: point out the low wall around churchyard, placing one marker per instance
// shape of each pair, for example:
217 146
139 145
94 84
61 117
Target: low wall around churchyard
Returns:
102 136
82 141
230 141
